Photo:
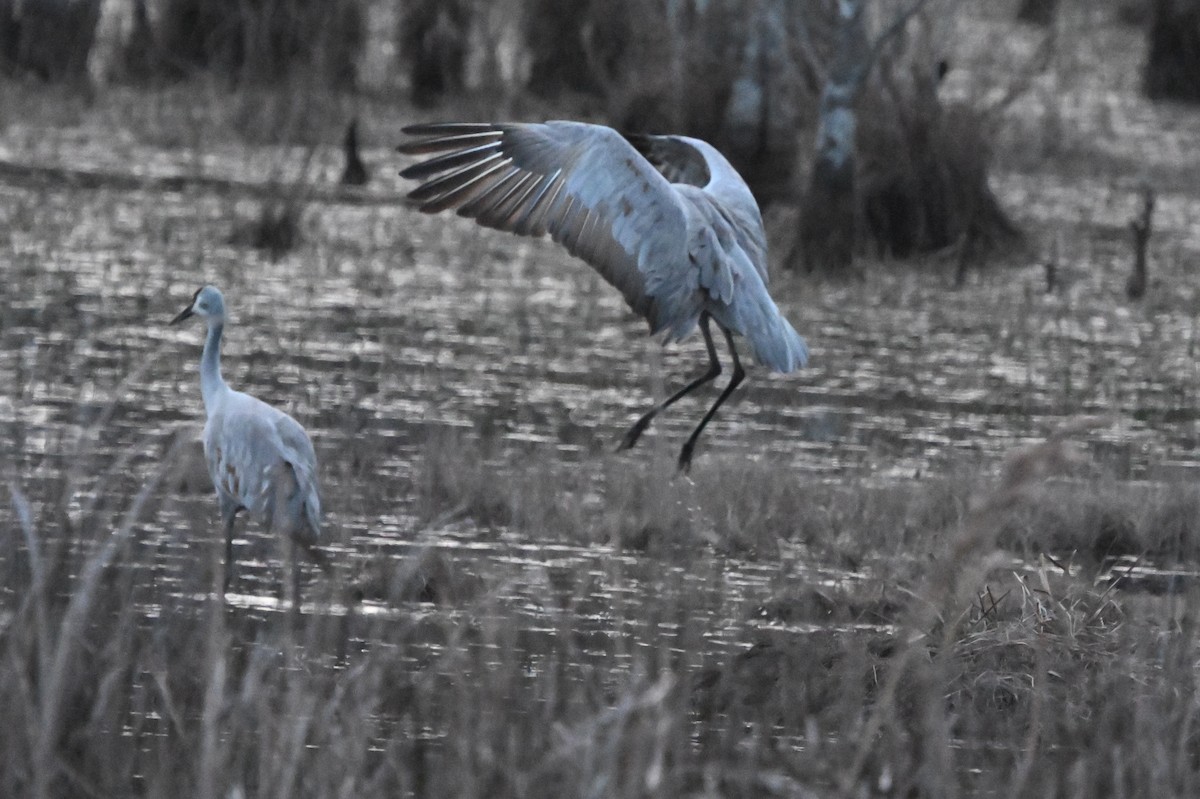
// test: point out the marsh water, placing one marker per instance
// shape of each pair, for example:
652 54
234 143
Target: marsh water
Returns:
385 329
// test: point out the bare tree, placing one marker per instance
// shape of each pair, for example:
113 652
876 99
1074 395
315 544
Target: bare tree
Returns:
1173 63
433 48
830 215
48 39
893 165
766 102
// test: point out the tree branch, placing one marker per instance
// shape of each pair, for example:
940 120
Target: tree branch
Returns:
890 32
808 52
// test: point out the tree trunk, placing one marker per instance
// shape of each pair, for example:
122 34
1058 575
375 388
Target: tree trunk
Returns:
50 39
829 213
762 114
1039 12
261 41
829 220
433 44
577 45
1173 65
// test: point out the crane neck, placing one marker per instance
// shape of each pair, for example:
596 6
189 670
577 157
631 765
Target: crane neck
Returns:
212 385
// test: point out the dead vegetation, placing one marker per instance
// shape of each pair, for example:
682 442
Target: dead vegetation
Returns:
925 174
868 684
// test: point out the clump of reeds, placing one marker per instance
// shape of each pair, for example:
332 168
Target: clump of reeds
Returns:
925 178
276 230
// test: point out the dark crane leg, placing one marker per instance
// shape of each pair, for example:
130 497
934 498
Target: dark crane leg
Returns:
714 369
228 517
685 455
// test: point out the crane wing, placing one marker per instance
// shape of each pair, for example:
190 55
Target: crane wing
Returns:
297 451
673 157
246 443
583 184
694 162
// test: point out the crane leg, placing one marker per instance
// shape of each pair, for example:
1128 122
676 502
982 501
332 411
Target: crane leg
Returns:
228 519
714 369
685 454
291 566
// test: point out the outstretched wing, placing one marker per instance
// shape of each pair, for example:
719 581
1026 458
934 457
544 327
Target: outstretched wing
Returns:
585 185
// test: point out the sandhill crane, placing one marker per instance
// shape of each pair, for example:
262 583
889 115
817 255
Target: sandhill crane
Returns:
260 459
665 219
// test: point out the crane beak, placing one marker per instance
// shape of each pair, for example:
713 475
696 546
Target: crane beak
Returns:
184 314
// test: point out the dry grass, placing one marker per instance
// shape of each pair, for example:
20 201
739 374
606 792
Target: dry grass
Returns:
939 669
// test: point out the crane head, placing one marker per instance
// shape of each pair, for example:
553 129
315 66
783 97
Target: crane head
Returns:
207 303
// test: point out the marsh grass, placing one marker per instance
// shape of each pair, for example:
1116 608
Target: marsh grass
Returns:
749 506
952 671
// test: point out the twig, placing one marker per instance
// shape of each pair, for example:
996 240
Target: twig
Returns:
894 27
994 603
1141 228
1052 267
808 52
1064 568
1038 63
37 571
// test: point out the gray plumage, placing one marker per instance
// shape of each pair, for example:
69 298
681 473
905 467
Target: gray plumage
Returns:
665 219
260 459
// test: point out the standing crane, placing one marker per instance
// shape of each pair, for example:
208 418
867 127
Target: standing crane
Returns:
667 220
260 459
